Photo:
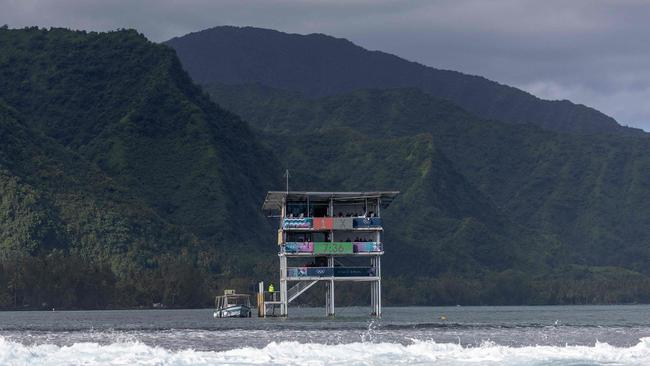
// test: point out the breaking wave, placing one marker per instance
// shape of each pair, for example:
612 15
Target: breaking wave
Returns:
294 353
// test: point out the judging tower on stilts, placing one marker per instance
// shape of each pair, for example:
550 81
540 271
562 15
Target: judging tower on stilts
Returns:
326 237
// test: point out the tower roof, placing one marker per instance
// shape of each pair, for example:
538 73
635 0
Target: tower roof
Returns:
275 199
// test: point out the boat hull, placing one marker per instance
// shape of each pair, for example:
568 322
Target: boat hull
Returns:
235 311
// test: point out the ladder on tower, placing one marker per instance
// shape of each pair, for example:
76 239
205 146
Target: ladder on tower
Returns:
298 289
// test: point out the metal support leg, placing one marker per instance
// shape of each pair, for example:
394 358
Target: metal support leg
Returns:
378 269
375 288
284 311
329 309
372 298
373 291
331 296
327 298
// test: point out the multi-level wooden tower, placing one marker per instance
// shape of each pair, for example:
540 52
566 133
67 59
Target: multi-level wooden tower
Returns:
326 236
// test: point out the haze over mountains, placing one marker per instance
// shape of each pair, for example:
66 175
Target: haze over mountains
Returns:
123 184
319 65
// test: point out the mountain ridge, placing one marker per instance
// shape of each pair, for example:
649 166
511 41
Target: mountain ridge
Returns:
320 65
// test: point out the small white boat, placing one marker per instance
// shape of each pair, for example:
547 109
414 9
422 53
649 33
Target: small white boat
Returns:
232 305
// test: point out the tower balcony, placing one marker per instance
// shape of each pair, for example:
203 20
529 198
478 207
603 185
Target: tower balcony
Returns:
314 273
331 223
331 248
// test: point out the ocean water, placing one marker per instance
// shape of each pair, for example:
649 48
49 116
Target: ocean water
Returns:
532 335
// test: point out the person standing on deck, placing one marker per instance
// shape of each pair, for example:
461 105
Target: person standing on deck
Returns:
272 291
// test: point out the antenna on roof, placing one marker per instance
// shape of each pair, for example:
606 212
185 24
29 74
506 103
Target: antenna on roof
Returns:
286 174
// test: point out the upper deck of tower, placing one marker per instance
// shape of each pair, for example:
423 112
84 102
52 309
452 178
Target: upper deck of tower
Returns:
327 204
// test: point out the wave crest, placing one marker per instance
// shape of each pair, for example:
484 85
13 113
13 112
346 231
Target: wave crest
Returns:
294 353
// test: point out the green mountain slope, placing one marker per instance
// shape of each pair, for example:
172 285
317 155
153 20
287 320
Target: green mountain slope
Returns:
440 226
582 197
125 104
123 184
320 65
124 112
71 236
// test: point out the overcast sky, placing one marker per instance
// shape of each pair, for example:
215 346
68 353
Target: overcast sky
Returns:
591 52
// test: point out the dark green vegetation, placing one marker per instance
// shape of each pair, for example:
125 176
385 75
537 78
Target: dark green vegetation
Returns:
320 65
491 212
122 184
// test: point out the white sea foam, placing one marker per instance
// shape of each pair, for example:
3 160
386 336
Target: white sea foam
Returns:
294 353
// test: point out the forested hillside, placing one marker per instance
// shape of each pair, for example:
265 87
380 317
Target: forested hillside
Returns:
122 184
548 204
112 158
320 65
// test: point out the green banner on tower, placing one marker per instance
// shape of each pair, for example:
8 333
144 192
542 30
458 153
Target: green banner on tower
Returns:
333 248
